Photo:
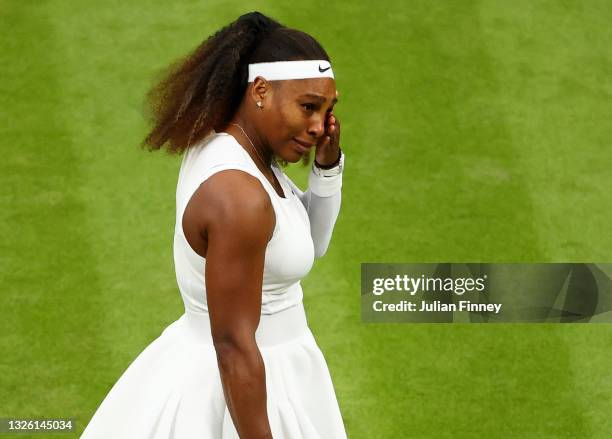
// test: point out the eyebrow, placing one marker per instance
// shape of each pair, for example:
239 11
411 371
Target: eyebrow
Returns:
319 97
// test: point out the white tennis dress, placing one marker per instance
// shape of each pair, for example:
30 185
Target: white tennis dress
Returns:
173 389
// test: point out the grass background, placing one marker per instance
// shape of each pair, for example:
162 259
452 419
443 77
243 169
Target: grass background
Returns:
473 131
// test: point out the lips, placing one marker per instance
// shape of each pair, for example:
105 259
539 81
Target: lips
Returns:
303 146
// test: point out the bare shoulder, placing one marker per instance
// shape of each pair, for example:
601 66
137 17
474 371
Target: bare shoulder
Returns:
230 203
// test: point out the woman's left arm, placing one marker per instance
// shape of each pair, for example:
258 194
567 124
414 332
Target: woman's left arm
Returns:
322 203
323 197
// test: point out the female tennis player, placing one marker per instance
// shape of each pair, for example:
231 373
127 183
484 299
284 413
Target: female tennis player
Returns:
241 362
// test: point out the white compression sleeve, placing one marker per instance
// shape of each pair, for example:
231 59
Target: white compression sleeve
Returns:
322 201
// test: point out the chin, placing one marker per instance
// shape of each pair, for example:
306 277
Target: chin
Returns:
292 155
293 159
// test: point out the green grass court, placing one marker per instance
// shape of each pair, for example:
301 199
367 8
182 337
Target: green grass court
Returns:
474 131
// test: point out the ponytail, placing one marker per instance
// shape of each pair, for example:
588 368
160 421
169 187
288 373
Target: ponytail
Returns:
202 91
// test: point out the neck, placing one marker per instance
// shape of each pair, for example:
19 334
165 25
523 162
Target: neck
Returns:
251 142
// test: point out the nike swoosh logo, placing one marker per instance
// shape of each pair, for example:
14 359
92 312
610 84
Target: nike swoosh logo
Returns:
323 70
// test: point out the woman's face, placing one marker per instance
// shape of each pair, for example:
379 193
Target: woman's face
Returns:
297 111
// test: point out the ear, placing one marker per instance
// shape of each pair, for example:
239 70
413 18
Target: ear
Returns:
260 89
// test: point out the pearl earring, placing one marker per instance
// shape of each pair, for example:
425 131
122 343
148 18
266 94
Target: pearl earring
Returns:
259 104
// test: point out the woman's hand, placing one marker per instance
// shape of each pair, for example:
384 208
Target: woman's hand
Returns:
329 144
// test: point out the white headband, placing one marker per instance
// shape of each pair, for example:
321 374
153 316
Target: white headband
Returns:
279 70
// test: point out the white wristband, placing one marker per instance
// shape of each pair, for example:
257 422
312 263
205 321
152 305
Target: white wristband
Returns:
332 171
326 182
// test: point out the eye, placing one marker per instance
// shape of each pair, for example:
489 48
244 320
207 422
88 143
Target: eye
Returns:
308 107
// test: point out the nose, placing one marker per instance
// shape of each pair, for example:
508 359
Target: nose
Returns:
317 128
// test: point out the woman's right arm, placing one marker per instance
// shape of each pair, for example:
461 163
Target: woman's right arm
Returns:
234 212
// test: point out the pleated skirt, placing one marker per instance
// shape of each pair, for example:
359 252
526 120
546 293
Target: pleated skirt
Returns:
173 389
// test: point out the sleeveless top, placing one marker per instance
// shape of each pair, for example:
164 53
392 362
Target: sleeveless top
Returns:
289 254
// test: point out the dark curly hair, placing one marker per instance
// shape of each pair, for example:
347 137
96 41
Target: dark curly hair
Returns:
202 91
